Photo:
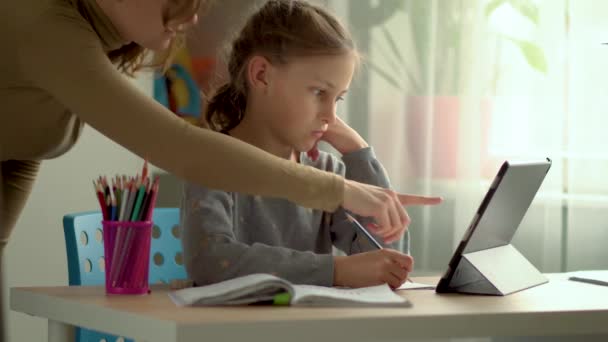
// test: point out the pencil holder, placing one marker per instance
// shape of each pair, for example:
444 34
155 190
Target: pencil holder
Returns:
127 256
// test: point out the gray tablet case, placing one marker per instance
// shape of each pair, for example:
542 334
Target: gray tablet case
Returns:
485 262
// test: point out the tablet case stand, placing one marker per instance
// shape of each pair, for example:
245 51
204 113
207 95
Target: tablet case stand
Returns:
497 271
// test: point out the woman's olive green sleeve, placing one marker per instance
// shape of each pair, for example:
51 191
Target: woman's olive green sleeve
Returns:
66 59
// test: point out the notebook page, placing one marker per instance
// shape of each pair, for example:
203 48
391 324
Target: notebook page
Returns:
380 295
409 285
261 285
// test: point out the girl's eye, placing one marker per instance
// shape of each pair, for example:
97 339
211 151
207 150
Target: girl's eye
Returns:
318 92
340 98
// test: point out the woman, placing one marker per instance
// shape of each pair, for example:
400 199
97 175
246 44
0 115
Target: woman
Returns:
59 71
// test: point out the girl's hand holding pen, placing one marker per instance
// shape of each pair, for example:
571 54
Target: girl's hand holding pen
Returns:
370 237
372 268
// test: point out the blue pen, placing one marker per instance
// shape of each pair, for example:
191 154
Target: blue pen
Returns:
364 231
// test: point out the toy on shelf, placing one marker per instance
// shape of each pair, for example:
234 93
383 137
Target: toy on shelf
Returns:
177 88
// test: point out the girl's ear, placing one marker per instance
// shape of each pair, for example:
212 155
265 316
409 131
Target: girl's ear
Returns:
259 72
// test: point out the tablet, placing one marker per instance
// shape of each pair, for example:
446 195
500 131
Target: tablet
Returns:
484 255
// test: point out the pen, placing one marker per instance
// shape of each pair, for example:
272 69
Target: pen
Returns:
364 231
367 234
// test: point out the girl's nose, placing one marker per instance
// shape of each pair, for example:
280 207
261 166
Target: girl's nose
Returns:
329 115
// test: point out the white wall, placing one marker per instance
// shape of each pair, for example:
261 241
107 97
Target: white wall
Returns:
35 255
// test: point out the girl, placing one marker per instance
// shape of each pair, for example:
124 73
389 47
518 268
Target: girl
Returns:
288 67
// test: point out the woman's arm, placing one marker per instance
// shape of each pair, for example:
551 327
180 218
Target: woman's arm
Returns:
65 58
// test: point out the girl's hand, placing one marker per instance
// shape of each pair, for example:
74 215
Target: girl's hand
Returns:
384 205
372 268
341 137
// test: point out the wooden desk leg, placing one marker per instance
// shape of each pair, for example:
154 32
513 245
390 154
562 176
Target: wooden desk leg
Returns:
60 332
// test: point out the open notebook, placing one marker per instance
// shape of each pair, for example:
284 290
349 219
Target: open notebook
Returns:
266 288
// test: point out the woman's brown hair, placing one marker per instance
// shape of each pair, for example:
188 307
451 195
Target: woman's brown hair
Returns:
278 31
131 57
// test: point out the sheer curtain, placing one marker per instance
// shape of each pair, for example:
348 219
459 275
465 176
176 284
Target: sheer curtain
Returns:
452 88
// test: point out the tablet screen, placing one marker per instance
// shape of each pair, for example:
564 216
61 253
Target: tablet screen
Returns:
506 204
500 212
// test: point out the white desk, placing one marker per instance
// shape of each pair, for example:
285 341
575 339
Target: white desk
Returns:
560 307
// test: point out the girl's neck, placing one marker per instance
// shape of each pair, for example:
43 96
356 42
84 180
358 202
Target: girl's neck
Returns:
257 133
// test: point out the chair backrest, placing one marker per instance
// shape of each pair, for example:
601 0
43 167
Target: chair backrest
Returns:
86 266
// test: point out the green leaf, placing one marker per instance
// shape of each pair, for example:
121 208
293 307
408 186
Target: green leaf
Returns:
493 5
527 8
533 53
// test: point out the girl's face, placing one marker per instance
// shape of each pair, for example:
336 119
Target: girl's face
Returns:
303 95
144 21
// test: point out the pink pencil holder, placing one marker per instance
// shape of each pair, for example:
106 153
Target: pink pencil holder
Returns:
127 256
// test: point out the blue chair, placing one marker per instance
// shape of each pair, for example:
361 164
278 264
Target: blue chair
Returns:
84 247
